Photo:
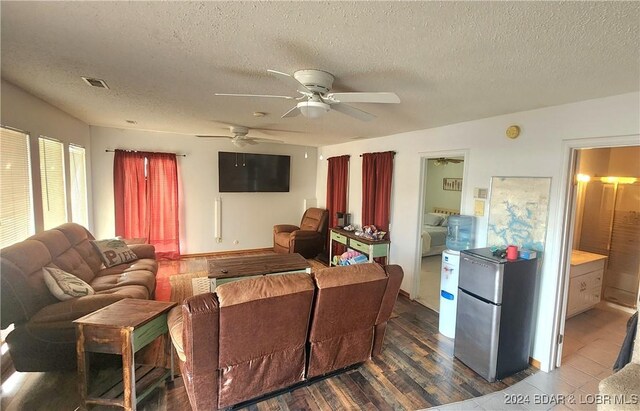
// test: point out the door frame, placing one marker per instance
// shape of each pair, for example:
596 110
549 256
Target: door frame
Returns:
424 157
565 236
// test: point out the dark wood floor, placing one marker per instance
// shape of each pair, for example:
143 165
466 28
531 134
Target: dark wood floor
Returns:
416 370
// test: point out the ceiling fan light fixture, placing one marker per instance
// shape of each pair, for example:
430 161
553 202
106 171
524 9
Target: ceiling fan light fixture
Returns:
313 109
238 142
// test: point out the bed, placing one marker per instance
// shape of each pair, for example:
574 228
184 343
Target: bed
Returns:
434 230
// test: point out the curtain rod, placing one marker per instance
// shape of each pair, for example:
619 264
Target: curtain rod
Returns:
394 153
135 151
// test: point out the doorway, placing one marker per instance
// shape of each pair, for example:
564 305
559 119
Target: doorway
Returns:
441 183
603 274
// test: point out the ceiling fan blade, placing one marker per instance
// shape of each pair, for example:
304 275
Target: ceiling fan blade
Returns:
214 136
265 140
295 111
271 131
364 97
353 112
290 80
254 95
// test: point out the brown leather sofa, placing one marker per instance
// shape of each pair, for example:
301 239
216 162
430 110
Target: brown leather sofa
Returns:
308 240
257 336
44 336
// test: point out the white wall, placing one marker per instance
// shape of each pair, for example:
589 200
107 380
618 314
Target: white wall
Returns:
435 195
246 217
537 152
28 113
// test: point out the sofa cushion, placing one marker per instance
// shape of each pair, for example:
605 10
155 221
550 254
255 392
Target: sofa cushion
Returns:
282 239
263 328
80 240
354 295
141 278
114 251
175 323
128 291
73 309
65 286
145 264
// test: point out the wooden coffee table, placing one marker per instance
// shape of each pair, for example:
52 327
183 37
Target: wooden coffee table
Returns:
225 270
123 327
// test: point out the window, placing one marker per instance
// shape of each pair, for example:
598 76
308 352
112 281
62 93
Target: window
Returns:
78 172
54 204
16 205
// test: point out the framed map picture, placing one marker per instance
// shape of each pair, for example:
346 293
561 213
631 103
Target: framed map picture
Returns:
518 212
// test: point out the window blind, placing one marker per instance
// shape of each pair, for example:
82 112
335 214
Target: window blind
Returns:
16 205
54 204
78 172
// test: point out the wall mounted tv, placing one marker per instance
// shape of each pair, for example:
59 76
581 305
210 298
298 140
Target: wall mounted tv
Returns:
246 173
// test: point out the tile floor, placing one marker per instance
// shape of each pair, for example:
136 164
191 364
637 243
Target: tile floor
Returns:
592 342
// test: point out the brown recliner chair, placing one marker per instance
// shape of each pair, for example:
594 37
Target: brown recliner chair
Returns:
309 239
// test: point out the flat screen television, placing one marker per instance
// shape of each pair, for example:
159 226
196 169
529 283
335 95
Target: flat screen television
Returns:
248 173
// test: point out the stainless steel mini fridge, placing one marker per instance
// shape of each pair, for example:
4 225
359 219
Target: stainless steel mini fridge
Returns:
495 310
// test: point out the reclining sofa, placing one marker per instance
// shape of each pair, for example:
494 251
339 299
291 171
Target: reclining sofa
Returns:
44 336
262 335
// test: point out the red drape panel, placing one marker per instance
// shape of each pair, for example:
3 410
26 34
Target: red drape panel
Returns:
130 194
377 174
368 188
337 183
164 229
146 199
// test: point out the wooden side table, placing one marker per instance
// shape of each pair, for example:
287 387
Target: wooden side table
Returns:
123 327
371 248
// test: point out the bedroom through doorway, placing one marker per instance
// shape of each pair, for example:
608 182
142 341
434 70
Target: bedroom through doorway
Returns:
442 195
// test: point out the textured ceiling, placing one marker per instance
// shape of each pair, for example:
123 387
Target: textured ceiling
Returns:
447 61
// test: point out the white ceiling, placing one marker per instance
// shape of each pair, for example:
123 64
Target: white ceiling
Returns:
447 61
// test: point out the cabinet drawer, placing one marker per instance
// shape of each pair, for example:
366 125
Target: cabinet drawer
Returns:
581 269
357 245
594 279
338 238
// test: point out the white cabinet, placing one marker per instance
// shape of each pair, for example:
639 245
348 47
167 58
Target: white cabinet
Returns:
585 281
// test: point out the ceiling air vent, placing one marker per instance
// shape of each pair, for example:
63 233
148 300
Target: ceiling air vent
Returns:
95 82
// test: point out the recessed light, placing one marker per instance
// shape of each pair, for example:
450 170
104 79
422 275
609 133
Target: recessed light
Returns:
131 121
95 82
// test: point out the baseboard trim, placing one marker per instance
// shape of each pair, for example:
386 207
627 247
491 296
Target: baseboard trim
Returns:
534 362
230 252
404 293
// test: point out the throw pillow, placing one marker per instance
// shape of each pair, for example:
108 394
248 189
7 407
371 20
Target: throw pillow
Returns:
114 252
63 285
432 219
445 219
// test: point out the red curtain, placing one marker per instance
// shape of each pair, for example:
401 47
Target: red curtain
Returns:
377 173
337 183
146 199
164 229
130 194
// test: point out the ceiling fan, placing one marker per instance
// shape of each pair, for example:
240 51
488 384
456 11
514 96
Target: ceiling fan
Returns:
315 99
443 161
240 138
